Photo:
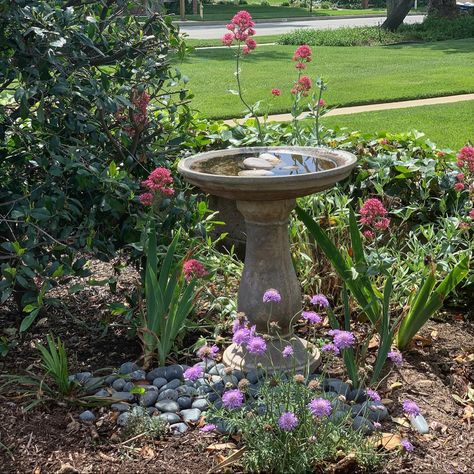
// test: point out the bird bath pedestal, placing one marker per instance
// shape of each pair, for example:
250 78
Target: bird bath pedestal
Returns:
266 203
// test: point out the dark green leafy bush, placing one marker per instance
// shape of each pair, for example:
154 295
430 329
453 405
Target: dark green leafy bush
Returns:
89 106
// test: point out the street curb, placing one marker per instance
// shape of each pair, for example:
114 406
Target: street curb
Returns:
287 20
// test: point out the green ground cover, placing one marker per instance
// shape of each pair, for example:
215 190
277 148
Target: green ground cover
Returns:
356 75
225 12
456 130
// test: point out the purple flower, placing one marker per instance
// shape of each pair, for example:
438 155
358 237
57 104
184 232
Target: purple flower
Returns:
193 373
256 345
320 407
312 317
207 352
271 295
208 427
342 339
330 347
395 357
241 336
411 408
320 300
373 395
233 399
377 425
287 351
288 421
407 445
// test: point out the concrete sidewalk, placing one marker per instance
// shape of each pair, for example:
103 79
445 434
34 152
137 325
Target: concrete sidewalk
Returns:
371 108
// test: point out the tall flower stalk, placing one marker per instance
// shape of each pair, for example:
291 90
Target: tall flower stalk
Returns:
241 32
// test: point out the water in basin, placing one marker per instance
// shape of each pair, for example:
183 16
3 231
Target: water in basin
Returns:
289 164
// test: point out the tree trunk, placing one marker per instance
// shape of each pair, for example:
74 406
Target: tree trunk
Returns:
397 15
391 5
442 8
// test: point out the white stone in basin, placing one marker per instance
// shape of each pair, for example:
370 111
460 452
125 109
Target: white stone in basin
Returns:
255 173
274 160
257 164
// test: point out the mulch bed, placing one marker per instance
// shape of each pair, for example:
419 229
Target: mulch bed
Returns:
50 439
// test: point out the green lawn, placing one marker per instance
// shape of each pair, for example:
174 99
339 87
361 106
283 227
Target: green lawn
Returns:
447 125
196 43
226 12
356 75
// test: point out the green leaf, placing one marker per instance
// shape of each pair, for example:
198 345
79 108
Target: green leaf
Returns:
28 320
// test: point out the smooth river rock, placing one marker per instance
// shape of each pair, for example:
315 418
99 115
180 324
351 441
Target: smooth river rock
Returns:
257 164
274 160
251 173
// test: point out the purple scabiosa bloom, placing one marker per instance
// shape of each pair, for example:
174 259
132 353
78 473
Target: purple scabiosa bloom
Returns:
330 347
193 373
312 317
208 427
395 357
410 408
207 352
320 300
241 336
377 425
320 407
271 296
407 446
342 339
256 345
233 399
288 421
287 351
373 395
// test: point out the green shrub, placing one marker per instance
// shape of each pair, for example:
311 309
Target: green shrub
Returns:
89 105
285 4
265 3
432 29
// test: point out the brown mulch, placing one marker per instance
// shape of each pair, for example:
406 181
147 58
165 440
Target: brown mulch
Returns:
436 374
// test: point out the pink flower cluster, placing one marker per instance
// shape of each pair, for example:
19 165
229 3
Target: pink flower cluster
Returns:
193 269
241 30
302 55
465 162
373 215
140 102
158 182
302 86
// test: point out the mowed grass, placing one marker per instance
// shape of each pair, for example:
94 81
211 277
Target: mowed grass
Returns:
447 125
355 75
226 12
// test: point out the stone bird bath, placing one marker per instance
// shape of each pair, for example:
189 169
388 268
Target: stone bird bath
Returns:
265 196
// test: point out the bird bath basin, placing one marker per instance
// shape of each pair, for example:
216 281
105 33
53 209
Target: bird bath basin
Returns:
265 198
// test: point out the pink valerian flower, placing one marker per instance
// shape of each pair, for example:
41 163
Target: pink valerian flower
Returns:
287 351
459 187
230 27
471 213
312 317
276 92
243 20
465 158
384 141
330 347
320 300
233 399
228 39
300 66
368 234
322 103
302 53
302 86
245 50
373 395
288 421
251 43
256 345
193 269
207 352
207 428
373 214
193 373
140 102
158 181
410 408
460 177
395 357
271 296
407 446
320 407
342 339
146 199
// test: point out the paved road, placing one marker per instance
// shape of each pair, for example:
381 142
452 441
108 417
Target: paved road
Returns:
202 31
